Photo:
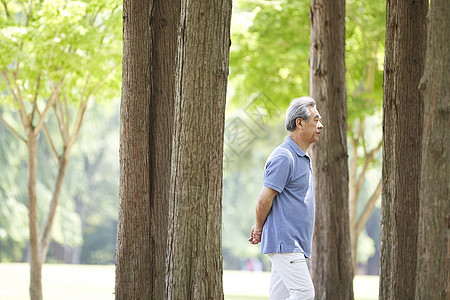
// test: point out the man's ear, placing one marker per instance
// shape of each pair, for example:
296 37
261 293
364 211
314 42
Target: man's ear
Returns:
299 122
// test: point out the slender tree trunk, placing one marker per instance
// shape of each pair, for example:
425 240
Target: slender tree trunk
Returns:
195 214
433 263
35 257
133 252
353 198
332 270
402 135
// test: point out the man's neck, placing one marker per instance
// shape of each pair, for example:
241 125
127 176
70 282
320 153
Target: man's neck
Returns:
304 146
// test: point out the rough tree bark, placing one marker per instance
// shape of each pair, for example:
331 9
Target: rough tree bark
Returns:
133 252
433 257
175 69
402 137
332 270
166 15
194 242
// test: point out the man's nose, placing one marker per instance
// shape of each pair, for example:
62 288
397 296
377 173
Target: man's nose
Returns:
320 125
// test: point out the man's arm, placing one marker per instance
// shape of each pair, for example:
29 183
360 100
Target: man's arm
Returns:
263 206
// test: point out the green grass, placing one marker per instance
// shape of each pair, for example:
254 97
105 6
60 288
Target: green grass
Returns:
70 282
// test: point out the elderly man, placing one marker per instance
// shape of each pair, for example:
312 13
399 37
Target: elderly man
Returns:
285 206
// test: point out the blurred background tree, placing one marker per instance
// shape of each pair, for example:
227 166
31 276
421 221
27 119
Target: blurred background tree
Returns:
85 224
56 58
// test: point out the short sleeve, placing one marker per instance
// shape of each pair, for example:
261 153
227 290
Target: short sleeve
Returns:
277 172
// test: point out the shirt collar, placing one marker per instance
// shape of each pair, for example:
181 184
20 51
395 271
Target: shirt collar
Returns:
295 147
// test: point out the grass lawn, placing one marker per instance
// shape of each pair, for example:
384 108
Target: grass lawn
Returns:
70 282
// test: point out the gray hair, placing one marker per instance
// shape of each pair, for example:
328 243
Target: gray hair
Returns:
299 108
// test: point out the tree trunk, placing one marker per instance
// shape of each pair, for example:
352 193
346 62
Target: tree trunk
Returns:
175 65
433 245
353 194
402 135
332 270
157 64
133 252
165 22
195 211
35 257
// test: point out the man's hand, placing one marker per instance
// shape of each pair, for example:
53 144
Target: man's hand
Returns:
255 235
263 206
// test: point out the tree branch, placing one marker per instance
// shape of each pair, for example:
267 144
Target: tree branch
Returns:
360 130
362 220
19 100
10 88
46 234
6 8
62 125
63 160
41 121
101 81
67 114
83 96
36 95
369 158
28 14
94 17
13 130
49 138
56 94
353 191
77 125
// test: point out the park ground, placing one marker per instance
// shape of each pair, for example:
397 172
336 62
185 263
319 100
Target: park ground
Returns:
93 282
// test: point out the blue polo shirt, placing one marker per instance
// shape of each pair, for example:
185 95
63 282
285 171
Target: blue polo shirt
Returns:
290 224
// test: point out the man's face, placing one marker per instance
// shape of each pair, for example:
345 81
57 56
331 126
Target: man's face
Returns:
312 128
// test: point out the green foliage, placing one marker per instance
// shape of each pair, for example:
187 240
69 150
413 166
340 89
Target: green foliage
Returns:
44 42
269 50
365 27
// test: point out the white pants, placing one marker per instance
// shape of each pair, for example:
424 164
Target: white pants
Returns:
290 277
